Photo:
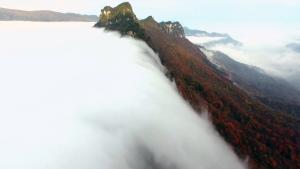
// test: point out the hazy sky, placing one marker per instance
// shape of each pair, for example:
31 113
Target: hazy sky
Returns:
194 13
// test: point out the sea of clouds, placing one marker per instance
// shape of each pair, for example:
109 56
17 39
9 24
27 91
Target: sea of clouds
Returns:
75 97
274 48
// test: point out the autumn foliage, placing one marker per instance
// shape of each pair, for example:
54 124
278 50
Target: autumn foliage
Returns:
269 139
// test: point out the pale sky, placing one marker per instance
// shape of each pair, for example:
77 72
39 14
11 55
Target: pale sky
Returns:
193 13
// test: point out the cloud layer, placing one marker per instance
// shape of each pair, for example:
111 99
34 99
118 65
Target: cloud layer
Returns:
272 48
75 97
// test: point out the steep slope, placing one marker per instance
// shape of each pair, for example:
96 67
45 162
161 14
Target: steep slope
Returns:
269 139
89 104
19 15
272 91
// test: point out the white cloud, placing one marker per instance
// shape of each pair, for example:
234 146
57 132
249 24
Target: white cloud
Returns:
74 97
264 45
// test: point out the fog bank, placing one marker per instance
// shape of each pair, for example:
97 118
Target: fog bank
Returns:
274 48
76 97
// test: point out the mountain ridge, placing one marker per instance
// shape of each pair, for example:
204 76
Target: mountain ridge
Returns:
250 127
223 38
7 14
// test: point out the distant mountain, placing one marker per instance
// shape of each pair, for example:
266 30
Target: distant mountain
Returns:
47 16
195 32
269 139
210 39
273 91
294 46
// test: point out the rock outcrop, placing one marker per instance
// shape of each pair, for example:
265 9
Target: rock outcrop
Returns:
173 28
122 19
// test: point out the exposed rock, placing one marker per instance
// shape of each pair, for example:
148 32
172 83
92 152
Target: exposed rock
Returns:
173 28
122 19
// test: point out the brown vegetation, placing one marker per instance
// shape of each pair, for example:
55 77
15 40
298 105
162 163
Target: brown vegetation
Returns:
269 139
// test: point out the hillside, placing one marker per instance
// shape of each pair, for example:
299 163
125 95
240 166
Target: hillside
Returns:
272 91
48 16
269 139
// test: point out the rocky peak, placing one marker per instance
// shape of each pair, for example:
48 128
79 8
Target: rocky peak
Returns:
174 29
106 12
120 18
123 11
148 19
